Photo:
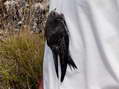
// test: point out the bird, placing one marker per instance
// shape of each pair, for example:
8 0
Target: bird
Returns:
57 36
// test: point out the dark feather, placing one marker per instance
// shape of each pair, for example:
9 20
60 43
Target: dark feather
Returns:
56 33
55 56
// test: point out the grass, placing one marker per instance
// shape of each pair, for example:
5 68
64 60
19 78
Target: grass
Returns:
21 58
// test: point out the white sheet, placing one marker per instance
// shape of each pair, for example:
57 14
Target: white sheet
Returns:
94 45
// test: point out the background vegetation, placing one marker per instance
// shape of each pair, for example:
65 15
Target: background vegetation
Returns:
21 57
21 43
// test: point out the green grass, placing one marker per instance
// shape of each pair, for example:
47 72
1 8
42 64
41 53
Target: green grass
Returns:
21 58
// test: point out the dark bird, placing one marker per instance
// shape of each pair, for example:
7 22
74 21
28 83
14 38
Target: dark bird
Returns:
56 33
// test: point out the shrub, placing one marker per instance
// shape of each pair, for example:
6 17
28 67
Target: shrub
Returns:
21 60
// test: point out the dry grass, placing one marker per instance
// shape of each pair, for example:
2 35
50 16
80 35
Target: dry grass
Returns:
14 15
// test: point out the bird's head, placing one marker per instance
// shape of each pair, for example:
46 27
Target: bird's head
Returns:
53 20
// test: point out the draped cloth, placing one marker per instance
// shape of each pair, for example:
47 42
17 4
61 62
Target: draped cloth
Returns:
94 45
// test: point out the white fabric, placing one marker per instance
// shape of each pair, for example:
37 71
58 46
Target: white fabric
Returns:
94 45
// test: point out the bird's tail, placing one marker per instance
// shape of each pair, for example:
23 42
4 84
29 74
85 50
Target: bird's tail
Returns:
64 65
71 63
